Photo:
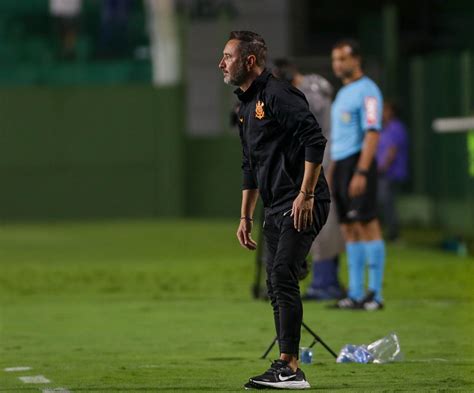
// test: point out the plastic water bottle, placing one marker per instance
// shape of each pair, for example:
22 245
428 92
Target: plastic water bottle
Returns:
385 350
354 354
306 355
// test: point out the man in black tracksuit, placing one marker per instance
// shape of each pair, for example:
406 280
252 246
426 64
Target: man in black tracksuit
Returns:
282 148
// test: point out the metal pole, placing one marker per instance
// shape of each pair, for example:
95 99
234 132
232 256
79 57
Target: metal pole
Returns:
319 339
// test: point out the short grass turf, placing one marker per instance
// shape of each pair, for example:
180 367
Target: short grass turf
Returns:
145 306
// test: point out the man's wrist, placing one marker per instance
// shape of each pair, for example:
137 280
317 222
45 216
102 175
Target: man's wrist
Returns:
307 195
360 171
246 218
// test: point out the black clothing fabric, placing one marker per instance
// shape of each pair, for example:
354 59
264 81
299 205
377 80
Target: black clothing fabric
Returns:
362 208
278 134
286 250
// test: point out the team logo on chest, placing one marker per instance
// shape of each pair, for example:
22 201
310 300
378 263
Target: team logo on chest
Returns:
259 112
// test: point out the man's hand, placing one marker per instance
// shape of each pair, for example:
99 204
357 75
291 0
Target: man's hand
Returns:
357 185
302 211
244 236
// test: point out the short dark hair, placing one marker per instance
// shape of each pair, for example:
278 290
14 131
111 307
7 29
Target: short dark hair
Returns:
351 43
251 44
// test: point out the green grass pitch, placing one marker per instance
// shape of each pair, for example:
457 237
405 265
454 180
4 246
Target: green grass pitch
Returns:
146 306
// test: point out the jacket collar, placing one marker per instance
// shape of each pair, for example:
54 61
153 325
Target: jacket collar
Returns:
256 85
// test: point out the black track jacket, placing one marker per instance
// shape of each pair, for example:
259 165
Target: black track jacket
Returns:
278 134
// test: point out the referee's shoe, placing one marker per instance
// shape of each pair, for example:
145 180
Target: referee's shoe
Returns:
279 376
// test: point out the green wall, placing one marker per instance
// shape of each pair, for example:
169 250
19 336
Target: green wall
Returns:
213 176
441 85
69 152
91 152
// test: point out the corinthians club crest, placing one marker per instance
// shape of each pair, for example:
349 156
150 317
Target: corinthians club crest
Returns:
259 112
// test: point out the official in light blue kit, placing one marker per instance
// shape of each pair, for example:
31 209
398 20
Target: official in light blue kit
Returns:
356 120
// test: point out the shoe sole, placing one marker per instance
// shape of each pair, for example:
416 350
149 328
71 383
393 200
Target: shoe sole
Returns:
295 385
254 386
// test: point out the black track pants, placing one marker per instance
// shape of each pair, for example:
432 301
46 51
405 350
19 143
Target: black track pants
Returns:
286 250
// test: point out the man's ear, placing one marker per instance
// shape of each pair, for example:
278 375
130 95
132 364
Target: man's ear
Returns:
251 60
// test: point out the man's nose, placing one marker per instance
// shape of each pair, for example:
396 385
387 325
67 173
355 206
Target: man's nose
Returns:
221 64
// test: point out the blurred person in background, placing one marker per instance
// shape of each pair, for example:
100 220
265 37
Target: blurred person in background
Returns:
282 152
329 243
392 160
164 41
65 14
114 19
356 121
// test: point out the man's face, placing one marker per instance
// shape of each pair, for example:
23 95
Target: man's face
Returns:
232 65
343 63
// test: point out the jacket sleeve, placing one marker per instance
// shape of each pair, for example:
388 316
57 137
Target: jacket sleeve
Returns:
248 179
371 110
290 108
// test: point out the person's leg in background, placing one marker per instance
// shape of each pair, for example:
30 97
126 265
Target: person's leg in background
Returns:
374 250
355 260
342 176
364 243
370 234
325 280
325 267
393 230
386 196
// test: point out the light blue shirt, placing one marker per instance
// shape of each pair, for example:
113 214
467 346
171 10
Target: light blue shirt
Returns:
356 109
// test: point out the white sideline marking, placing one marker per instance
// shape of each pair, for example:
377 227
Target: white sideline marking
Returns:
57 390
453 124
149 366
34 379
13 369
